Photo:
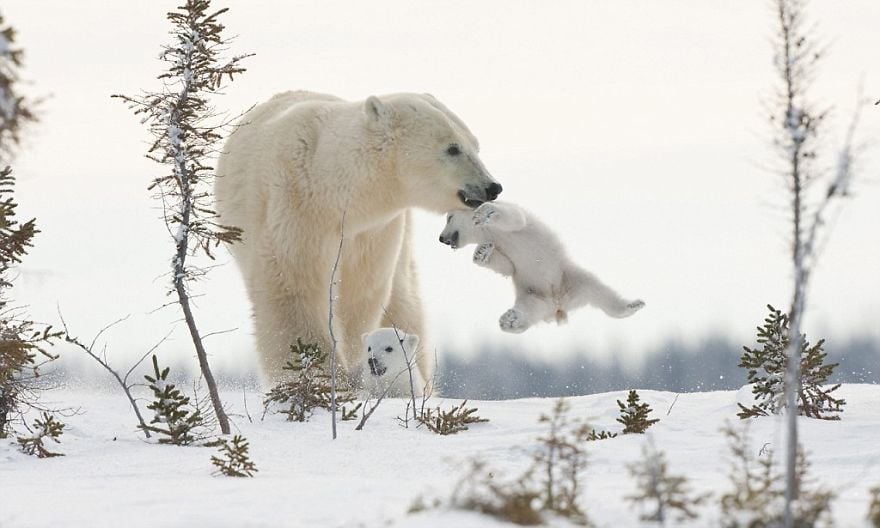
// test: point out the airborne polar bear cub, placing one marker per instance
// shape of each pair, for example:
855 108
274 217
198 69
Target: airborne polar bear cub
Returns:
512 242
391 358
304 170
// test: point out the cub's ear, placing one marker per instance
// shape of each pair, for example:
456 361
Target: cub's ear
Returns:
364 337
411 342
377 111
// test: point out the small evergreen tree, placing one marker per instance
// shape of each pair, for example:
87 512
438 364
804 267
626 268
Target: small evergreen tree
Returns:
235 461
449 422
667 496
23 344
601 435
187 132
634 415
757 499
308 385
44 427
766 373
16 111
561 461
178 422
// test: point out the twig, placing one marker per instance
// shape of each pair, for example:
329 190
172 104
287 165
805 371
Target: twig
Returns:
673 404
369 412
122 380
409 366
330 325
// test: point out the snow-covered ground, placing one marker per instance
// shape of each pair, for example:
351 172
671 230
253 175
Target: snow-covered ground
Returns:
112 477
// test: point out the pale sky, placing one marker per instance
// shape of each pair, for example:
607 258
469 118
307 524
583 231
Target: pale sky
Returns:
634 128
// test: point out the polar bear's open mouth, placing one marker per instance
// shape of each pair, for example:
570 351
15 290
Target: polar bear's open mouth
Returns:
473 203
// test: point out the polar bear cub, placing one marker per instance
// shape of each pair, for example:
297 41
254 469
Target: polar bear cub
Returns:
387 351
514 243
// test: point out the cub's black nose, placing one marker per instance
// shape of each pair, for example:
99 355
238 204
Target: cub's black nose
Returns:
376 368
493 190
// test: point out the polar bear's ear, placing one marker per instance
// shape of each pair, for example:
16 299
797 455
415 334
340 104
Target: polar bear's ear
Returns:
364 337
377 111
411 342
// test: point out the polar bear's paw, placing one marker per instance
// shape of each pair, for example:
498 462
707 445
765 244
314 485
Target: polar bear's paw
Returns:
483 253
485 214
513 321
633 307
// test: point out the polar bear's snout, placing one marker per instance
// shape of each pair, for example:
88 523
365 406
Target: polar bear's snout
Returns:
450 239
376 366
474 195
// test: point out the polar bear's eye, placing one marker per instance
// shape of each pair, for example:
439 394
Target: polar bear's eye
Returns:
453 150
369 349
388 349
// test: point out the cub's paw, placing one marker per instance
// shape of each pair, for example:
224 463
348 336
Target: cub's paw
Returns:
485 214
513 321
633 307
483 253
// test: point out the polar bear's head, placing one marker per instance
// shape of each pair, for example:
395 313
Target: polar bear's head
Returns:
387 351
434 155
460 230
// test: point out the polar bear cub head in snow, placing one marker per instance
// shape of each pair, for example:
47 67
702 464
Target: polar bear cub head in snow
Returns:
387 351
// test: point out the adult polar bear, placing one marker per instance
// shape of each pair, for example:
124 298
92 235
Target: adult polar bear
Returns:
287 175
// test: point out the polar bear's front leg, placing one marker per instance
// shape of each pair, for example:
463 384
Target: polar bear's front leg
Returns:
505 217
488 256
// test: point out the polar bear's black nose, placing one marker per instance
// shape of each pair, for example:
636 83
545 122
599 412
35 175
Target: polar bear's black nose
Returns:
376 368
493 190
451 240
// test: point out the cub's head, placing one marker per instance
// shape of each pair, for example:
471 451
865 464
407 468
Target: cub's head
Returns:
435 156
385 355
460 230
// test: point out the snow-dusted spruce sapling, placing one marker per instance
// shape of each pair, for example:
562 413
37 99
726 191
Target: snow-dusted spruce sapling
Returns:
16 110
600 435
449 422
634 415
307 386
667 498
811 191
513 242
757 497
44 427
175 420
766 373
187 131
23 343
235 461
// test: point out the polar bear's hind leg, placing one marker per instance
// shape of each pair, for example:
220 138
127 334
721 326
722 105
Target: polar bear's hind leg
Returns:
586 288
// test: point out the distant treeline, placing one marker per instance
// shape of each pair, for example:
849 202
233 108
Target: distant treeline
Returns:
494 373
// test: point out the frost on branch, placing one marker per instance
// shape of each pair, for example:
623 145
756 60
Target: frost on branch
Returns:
185 127
766 373
186 133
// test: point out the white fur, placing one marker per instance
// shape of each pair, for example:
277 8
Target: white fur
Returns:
387 351
287 175
514 243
